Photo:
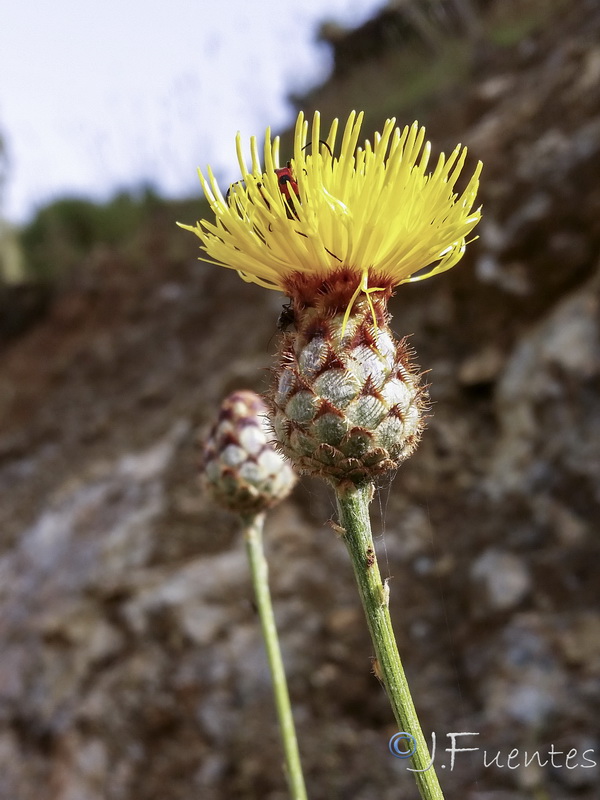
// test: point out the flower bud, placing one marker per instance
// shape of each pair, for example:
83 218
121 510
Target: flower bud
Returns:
242 469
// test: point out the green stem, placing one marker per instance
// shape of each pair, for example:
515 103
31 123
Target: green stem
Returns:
253 529
353 508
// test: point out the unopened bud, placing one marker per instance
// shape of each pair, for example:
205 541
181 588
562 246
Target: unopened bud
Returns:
242 469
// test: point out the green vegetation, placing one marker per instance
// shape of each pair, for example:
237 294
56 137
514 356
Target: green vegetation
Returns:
11 258
65 232
418 78
406 80
511 22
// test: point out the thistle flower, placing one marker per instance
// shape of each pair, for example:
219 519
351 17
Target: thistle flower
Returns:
337 233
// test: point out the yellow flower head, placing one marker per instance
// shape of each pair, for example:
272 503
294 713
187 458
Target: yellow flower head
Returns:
372 210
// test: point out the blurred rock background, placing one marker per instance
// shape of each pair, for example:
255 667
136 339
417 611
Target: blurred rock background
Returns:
131 664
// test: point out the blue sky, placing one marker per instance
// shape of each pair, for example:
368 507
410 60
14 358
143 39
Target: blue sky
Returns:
95 96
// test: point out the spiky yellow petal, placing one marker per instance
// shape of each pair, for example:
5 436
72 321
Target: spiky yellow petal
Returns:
373 210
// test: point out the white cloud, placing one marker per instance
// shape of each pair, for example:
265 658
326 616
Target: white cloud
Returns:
93 96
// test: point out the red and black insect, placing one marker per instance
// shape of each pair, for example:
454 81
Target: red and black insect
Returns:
287 184
287 181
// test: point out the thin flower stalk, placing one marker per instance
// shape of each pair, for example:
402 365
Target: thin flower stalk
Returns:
353 510
246 475
253 531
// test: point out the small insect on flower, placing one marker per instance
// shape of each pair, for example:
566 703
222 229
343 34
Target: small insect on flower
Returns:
287 317
286 180
228 195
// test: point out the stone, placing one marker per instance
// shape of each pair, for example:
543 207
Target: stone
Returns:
501 581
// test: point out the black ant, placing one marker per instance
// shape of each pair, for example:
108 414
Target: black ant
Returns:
287 317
